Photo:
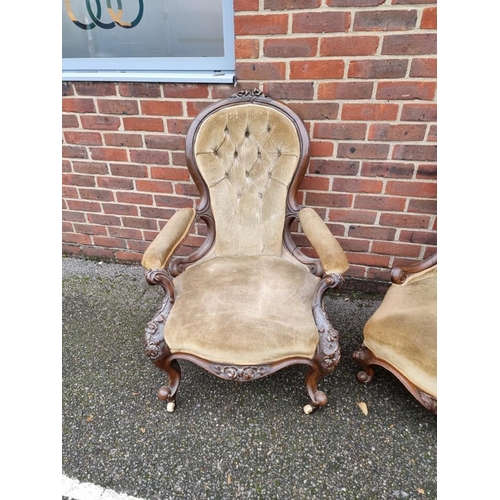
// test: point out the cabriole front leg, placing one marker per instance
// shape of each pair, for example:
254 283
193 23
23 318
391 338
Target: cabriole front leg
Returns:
364 358
157 349
327 355
169 391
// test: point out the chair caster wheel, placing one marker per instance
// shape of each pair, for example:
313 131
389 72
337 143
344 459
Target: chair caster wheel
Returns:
308 409
171 406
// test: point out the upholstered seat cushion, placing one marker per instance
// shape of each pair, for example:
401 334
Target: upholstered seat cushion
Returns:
403 330
243 310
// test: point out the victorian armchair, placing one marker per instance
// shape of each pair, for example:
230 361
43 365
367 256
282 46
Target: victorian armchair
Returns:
401 336
248 302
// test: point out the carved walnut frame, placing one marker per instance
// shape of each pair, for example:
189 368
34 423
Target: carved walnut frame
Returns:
366 358
327 355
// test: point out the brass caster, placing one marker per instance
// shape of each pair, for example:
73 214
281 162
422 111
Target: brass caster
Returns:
308 409
171 406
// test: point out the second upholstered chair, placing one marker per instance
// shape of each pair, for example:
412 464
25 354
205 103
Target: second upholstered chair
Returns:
401 336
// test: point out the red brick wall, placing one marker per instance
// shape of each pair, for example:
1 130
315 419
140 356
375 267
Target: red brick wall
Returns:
360 73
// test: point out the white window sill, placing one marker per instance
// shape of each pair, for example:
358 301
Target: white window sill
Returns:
150 76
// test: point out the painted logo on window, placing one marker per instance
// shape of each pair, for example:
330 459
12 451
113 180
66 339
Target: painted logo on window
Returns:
95 14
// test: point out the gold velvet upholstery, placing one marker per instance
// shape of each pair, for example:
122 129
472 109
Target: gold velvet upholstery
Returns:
329 250
247 302
170 237
243 310
247 156
402 334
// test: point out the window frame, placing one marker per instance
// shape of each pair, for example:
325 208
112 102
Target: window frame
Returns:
160 69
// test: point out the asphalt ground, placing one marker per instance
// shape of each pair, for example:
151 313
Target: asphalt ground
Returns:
227 440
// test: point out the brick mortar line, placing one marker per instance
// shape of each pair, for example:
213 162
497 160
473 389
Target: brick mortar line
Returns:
334 34
349 209
379 194
331 177
413 180
416 80
176 182
326 8
382 226
312 122
345 59
342 102
422 142
267 59
290 101
371 122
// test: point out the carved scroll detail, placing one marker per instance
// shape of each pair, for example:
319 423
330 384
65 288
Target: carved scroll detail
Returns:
155 343
328 351
329 348
240 373
365 358
427 401
156 347
400 274
246 94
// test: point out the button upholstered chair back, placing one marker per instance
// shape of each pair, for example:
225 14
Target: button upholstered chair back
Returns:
247 153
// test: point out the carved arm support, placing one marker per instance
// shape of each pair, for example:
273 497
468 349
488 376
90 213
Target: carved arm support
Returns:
328 350
168 239
332 256
156 347
400 274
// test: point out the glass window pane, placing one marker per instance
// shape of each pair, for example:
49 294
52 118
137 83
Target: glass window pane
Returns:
141 28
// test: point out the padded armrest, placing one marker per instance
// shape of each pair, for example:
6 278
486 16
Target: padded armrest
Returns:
330 253
168 239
